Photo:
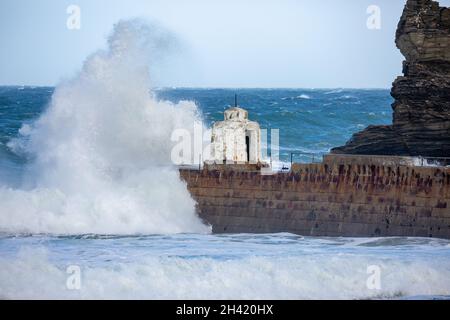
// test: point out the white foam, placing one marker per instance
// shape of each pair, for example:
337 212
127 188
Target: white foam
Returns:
101 150
334 91
32 275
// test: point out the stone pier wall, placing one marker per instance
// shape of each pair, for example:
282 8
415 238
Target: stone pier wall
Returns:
325 200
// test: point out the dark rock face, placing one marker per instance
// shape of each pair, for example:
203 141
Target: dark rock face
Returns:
421 119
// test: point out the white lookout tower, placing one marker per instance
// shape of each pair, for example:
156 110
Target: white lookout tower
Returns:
236 139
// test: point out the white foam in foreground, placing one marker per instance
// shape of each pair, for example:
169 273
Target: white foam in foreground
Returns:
190 266
32 276
100 153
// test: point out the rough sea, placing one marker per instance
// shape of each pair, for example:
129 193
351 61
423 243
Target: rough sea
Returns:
83 215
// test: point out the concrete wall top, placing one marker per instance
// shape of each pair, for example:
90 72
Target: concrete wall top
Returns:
333 159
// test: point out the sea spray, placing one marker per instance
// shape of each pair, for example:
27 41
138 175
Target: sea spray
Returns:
100 153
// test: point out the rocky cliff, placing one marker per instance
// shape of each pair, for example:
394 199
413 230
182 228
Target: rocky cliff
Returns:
421 118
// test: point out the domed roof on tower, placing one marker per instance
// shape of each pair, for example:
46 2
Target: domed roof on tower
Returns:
235 113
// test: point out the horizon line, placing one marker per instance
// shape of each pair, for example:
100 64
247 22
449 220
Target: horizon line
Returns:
221 87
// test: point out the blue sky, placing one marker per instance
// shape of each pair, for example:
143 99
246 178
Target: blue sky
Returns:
246 43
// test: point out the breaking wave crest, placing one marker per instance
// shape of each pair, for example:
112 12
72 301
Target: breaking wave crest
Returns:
99 156
32 275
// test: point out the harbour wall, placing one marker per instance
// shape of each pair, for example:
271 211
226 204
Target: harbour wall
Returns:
341 196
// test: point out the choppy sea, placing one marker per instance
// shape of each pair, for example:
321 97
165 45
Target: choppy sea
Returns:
80 219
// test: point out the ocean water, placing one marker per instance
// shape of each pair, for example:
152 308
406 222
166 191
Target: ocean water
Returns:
245 266
201 265
91 205
310 121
